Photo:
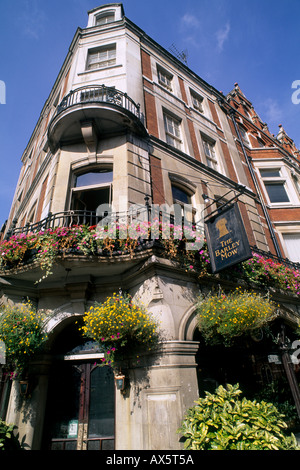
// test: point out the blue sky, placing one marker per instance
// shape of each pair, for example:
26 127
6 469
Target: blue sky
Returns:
254 43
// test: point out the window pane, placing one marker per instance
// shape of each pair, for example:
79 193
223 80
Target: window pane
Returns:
269 173
180 195
292 242
277 192
102 403
102 58
94 177
103 19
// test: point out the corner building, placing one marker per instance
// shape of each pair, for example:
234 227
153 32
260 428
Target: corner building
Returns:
125 124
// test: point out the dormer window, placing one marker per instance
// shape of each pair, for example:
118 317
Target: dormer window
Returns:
105 18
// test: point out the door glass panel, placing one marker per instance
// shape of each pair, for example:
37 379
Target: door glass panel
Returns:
65 411
102 404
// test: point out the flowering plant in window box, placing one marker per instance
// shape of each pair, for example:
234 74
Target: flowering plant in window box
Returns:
121 328
221 317
22 331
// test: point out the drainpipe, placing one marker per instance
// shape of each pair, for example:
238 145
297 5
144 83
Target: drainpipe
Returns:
265 211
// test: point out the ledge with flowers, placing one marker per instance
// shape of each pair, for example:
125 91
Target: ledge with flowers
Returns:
46 247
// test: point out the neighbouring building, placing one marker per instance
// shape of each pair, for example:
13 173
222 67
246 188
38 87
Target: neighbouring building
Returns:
129 125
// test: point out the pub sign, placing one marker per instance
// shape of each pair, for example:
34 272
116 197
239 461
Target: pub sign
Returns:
227 239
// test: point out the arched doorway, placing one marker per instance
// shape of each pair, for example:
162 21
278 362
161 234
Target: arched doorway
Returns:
80 411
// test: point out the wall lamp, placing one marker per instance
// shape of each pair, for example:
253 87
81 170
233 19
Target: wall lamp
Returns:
120 382
24 387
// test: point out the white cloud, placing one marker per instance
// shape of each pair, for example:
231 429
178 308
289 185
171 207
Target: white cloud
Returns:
222 35
189 20
32 19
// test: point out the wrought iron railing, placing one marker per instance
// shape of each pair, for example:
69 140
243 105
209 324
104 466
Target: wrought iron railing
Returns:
100 94
79 217
140 213
277 259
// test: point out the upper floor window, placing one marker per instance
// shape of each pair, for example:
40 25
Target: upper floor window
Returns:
172 129
182 198
105 18
91 189
180 195
244 135
275 185
292 244
102 57
197 101
210 154
94 177
164 78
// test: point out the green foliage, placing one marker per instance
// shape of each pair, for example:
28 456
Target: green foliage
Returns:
278 393
223 421
223 317
8 440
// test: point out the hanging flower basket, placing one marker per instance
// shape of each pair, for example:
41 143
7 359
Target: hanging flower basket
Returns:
221 318
21 330
122 328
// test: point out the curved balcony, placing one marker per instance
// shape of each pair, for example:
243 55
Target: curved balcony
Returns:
106 110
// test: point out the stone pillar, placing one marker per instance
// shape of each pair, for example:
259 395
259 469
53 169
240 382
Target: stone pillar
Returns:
28 412
161 390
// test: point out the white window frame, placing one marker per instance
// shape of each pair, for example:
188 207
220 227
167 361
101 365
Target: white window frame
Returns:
164 78
292 253
107 17
209 147
280 179
244 135
197 101
172 125
102 57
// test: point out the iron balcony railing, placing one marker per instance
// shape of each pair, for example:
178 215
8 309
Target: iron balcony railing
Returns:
78 217
100 94
139 214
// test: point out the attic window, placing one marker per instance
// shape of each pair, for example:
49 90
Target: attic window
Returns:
105 18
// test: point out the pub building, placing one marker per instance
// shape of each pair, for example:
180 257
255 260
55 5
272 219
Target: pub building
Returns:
129 126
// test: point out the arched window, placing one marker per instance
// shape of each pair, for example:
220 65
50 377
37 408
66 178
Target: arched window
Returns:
104 18
182 195
92 188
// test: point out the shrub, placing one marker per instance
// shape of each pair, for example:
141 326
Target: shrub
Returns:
8 440
222 421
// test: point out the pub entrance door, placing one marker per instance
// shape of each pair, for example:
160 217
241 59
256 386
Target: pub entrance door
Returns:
81 406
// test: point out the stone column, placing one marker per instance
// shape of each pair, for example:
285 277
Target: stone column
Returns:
161 390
